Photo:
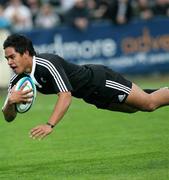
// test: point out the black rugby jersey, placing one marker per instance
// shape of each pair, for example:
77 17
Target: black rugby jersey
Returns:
52 74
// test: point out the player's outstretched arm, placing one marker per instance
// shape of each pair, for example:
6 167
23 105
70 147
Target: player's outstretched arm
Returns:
62 105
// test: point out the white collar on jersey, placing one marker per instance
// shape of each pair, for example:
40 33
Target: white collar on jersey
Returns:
33 66
33 72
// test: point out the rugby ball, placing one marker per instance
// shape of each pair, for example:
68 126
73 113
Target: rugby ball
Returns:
24 107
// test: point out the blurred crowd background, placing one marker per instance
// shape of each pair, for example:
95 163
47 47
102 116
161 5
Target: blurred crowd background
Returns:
21 15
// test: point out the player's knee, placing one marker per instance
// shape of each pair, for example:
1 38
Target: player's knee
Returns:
150 107
150 104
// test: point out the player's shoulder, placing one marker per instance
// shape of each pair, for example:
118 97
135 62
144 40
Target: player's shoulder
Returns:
48 60
48 56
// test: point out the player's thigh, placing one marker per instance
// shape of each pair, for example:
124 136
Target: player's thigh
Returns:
138 98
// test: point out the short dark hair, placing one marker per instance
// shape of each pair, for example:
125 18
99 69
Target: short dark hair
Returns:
20 43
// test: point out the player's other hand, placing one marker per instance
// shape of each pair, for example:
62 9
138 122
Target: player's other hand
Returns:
40 131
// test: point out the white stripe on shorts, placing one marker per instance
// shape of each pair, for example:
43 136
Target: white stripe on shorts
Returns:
118 86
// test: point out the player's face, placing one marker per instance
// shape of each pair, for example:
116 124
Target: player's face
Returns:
16 61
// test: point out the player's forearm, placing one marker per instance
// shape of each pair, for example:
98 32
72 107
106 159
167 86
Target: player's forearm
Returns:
62 105
9 111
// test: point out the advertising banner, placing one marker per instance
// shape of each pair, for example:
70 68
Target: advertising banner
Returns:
136 48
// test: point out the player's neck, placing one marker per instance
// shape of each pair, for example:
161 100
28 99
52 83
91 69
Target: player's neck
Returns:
29 65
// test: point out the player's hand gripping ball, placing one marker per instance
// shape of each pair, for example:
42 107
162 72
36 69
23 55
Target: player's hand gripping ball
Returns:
24 107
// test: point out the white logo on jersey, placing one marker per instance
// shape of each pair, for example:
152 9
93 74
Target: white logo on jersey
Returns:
121 97
43 80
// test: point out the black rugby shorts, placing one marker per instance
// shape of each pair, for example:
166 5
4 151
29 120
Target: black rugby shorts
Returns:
113 89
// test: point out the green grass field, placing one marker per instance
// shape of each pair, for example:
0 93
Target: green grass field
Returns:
88 144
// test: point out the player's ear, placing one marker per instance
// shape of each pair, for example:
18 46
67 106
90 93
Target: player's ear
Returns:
26 52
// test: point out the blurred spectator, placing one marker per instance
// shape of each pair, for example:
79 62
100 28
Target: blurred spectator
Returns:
78 16
105 6
19 15
99 9
92 7
66 5
160 8
121 11
54 3
167 1
47 18
143 9
34 6
4 22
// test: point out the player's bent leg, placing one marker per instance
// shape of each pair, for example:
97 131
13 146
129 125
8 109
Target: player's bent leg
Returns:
147 102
